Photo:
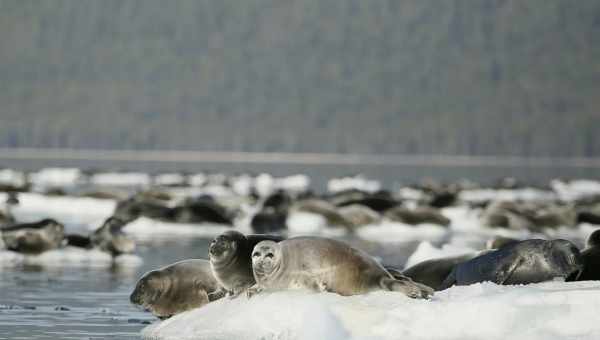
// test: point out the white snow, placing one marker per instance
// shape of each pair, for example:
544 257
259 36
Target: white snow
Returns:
50 178
411 194
394 232
357 182
197 180
304 223
294 183
169 179
12 177
65 209
576 189
121 179
525 194
546 311
264 184
146 228
242 184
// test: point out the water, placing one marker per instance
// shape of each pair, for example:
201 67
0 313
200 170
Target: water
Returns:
82 302
93 303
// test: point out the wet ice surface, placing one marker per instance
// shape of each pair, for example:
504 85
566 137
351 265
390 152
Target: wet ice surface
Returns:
546 311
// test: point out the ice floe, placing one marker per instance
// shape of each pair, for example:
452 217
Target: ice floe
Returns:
546 311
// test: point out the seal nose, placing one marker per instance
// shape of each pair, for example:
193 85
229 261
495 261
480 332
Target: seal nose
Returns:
134 298
215 248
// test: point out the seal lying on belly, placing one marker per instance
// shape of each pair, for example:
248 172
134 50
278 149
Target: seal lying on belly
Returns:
523 262
33 238
110 238
175 288
433 272
230 260
322 264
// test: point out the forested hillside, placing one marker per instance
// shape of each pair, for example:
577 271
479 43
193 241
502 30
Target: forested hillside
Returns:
503 77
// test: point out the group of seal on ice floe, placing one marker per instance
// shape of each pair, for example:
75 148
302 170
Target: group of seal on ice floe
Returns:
250 264
48 234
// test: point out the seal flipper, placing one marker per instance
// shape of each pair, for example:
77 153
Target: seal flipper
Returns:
217 294
251 291
449 281
396 273
504 273
407 286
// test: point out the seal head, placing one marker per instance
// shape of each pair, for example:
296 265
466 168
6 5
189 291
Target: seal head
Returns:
266 259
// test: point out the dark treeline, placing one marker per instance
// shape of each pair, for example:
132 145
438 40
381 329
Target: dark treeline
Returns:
504 77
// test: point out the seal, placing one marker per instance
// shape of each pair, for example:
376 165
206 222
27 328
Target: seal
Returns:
591 258
33 238
322 264
176 288
110 238
79 241
523 262
200 210
323 208
203 209
359 215
230 260
379 201
417 216
508 215
136 206
535 217
269 220
432 273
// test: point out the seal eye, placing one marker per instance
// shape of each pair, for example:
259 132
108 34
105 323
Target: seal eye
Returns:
256 254
270 255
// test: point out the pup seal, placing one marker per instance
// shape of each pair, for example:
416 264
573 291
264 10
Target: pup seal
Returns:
173 289
33 238
523 262
322 264
230 260
110 238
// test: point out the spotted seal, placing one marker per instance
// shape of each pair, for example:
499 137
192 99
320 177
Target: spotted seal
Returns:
322 264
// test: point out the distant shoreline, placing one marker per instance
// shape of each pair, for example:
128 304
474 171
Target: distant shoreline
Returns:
189 156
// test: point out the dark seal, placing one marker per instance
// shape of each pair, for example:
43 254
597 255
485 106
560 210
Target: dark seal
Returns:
523 262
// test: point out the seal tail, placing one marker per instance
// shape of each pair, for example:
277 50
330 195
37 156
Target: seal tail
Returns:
403 284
